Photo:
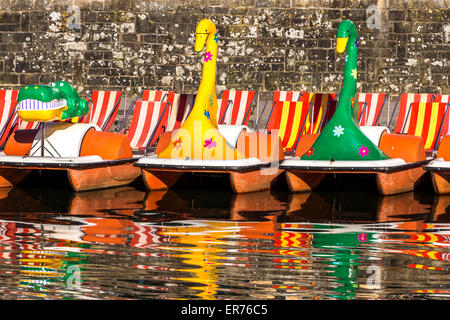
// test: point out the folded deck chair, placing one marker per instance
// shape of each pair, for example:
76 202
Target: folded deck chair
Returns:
104 106
426 120
371 105
180 109
147 96
445 130
289 118
322 109
235 107
8 100
404 102
276 96
148 123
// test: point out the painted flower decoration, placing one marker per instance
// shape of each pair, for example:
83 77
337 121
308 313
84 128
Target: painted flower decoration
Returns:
352 100
177 143
363 151
356 41
338 131
208 56
206 113
209 143
310 152
216 37
362 237
211 99
354 73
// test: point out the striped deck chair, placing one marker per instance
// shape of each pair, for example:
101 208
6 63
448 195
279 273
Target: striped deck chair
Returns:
404 103
322 109
148 122
149 96
289 117
8 100
182 106
426 121
235 107
445 131
278 96
103 109
371 105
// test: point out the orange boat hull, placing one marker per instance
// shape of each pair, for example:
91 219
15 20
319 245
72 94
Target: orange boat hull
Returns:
240 182
387 183
441 182
408 148
80 179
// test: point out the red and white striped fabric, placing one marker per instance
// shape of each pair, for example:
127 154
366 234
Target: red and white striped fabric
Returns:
180 109
287 96
104 107
372 110
144 123
238 112
444 98
8 100
144 236
25 125
405 102
158 95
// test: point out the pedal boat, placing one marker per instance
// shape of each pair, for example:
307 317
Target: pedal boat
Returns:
202 147
439 168
244 175
401 173
92 159
343 147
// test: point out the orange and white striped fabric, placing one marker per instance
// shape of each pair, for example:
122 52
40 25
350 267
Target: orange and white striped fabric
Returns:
288 117
103 110
321 110
179 110
374 103
8 100
239 107
405 102
148 122
425 120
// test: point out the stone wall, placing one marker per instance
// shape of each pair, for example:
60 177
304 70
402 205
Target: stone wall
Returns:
264 44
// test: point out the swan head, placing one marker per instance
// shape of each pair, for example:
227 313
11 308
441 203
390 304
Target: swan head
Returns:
204 28
345 30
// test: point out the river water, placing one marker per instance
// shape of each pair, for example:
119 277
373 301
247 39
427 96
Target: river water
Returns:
126 243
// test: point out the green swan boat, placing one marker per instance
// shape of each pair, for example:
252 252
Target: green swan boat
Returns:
343 148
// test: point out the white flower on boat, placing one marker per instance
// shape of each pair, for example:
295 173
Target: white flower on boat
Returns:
338 131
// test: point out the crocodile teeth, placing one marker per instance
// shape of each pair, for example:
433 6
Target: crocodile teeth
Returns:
31 105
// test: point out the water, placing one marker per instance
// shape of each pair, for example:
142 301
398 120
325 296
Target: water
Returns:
126 243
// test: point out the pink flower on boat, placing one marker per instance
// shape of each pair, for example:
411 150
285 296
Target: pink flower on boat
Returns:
310 152
362 237
208 56
209 143
177 143
363 151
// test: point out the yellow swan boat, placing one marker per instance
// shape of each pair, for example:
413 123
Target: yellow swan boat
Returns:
202 147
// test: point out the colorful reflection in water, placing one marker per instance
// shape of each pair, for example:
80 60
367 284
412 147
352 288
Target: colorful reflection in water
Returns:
125 243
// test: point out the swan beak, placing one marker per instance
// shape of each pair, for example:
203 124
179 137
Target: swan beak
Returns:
200 40
341 44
